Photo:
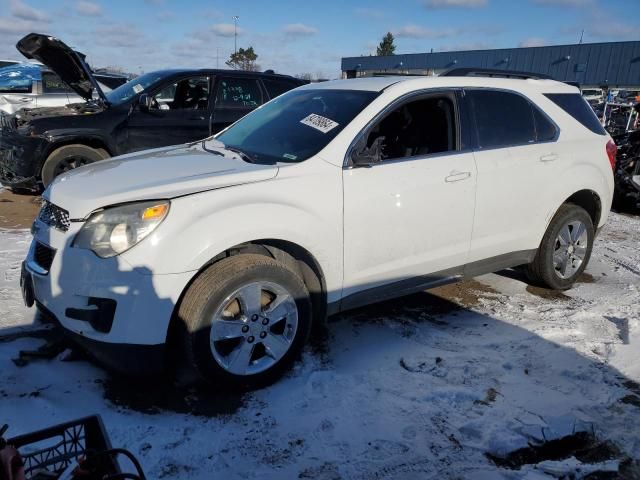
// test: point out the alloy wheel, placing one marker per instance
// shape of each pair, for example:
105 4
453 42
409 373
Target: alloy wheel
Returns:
69 163
570 249
253 328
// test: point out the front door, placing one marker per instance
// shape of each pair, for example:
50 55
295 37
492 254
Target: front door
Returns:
179 113
409 215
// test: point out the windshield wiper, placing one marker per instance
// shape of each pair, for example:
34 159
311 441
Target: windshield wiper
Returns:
245 156
204 147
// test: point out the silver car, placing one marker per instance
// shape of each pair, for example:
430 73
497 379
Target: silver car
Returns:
32 85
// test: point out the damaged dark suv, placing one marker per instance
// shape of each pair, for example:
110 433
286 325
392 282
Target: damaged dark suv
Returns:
157 109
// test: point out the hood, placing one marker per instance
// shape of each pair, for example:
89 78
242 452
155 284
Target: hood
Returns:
63 60
153 174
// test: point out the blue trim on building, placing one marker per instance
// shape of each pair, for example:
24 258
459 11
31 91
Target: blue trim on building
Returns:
613 63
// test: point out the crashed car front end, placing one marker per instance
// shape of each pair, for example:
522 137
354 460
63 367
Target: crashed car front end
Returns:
19 153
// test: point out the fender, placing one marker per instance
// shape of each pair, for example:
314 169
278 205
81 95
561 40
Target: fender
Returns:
583 176
238 214
60 137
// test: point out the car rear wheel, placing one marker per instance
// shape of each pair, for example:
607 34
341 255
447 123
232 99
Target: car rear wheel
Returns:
565 249
69 157
246 319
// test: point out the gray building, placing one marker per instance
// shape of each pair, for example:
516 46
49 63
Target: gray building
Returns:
612 64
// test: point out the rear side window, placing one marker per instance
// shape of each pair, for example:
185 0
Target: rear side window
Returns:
277 87
578 108
545 130
238 93
502 118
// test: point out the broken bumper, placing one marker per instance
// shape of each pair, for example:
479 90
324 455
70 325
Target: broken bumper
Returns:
20 159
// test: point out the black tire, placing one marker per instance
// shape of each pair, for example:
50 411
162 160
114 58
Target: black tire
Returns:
542 271
208 293
68 157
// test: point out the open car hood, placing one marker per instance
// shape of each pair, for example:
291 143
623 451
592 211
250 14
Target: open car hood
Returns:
63 60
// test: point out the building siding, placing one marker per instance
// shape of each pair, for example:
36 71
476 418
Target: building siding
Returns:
615 64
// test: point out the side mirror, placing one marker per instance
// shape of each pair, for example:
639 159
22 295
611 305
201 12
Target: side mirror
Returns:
364 156
145 102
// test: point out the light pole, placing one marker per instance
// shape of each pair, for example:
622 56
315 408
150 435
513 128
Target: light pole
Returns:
235 33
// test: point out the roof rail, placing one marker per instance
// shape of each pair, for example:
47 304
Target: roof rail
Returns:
488 72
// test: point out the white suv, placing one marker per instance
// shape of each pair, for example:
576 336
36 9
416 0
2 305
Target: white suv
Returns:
224 253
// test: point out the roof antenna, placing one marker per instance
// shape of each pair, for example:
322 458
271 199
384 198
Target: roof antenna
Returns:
581 37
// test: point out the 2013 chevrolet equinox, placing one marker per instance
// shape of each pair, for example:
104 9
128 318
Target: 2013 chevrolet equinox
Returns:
330 196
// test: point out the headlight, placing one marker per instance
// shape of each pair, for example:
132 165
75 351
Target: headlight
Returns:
115 230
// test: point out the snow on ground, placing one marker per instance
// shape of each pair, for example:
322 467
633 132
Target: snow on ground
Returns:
420 387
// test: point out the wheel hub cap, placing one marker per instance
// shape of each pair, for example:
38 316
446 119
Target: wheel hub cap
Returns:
253 328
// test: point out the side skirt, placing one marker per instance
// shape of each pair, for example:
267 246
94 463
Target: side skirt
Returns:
426 282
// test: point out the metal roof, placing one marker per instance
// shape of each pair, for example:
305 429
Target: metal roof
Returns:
611 63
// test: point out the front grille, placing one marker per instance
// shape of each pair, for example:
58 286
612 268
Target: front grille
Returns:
54 216
43 256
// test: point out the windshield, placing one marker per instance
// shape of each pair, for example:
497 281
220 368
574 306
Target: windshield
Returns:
18 78
296 125
133 87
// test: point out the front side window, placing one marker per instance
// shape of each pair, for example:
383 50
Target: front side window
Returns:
502 119
52 83
295 125
186 94
238 93
417 128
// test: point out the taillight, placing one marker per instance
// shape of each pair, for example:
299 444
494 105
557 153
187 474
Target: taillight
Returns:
612 150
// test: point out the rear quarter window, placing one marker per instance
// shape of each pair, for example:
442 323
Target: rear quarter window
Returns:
576 106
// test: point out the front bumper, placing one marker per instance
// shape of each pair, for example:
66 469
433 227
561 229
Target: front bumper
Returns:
123 358
119 313
20 159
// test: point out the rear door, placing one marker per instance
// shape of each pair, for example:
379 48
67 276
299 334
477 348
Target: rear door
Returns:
179 114
234 98
517 158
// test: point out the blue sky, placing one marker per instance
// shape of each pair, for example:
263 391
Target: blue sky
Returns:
300 36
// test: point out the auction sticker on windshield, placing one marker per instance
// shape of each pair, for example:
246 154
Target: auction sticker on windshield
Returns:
138 88
319 122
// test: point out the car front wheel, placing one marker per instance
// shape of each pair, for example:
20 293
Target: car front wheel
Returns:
67 158
246 319
565 249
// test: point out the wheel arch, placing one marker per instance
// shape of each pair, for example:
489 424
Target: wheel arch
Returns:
590 201
290 253
86 140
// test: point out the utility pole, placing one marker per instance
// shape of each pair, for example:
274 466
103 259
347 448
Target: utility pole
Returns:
235 34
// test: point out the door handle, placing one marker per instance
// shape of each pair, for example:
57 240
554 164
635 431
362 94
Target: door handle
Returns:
549 158
196 117
457 176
